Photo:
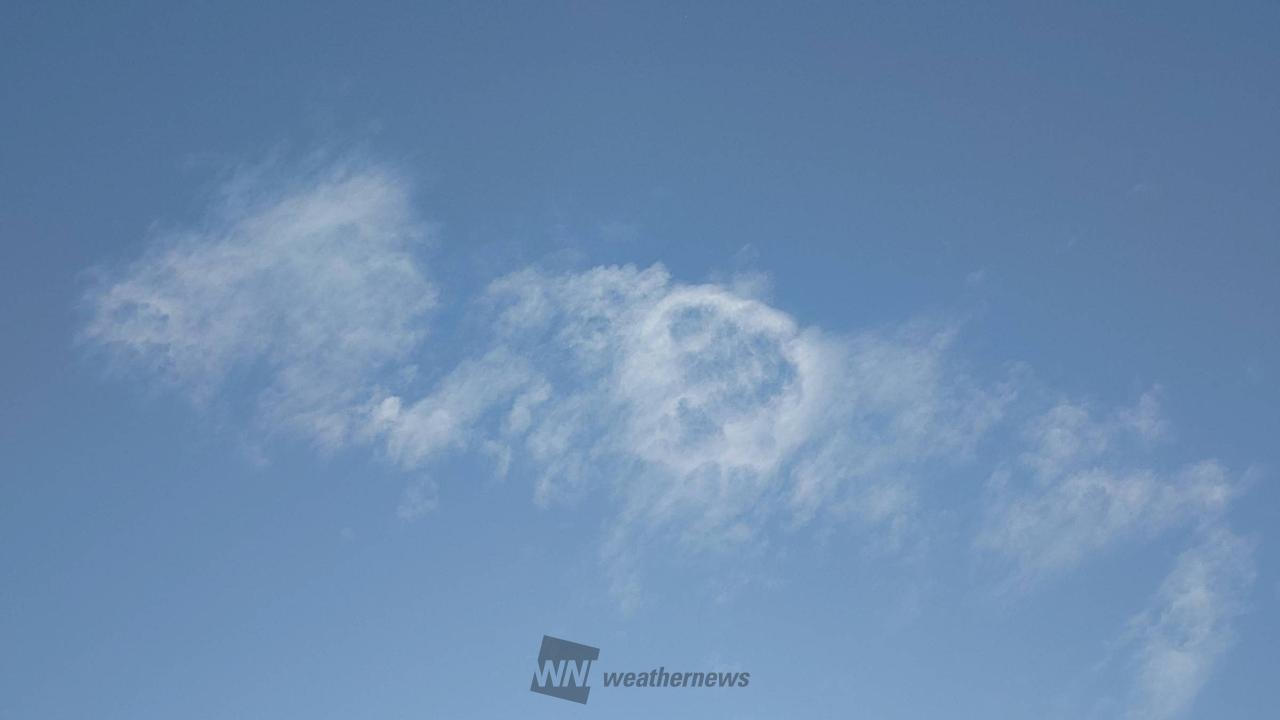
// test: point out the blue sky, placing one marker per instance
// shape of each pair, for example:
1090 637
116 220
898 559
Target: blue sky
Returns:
919 360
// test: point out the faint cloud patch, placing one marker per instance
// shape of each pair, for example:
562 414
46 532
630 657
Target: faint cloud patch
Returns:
1189 625
1079 486
419 499
300 285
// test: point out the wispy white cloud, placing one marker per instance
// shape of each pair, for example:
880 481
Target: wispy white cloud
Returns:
304 287
1190 624
1081 486
446 418
711 416
1084 484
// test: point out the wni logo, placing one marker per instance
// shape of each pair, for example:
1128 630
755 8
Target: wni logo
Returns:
563 667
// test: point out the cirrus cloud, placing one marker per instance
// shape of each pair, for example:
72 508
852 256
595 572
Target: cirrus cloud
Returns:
714 418
307 289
